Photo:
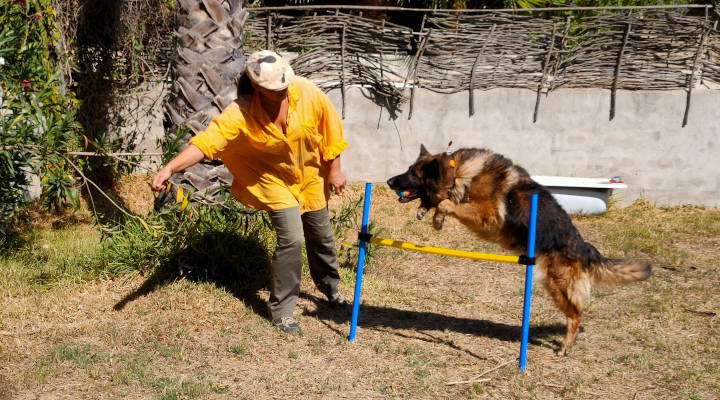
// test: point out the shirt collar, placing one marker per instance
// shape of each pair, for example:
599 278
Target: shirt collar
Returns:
293 96
257 110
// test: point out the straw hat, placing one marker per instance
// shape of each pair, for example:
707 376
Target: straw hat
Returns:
267 69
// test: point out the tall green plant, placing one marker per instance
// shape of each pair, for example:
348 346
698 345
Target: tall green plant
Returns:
205 242
37 121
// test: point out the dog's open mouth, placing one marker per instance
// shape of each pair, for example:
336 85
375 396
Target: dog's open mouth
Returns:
406 195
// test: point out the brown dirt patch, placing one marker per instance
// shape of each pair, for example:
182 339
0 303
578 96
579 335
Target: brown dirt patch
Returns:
5 389
135 193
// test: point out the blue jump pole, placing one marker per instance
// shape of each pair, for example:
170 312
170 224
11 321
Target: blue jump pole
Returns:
360 263
528 282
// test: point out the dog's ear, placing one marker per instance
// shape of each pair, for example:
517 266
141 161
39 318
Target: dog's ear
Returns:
423 151
431 170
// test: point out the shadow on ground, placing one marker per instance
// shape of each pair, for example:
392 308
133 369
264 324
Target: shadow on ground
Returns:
397 321
238 264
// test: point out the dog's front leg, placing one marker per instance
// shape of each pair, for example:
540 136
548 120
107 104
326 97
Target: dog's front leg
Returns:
477 216
438 220
420 213
444 208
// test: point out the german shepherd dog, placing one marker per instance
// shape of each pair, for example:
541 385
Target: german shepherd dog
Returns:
490 195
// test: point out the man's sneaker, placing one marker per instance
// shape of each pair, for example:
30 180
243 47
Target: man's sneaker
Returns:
287 325
337 300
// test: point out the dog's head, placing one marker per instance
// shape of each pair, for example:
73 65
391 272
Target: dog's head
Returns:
429 178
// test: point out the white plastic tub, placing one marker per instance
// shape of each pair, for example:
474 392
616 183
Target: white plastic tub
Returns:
588 196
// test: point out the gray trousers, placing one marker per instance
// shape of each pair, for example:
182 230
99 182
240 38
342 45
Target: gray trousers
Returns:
286 267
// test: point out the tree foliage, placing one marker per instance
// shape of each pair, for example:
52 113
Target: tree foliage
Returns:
37 118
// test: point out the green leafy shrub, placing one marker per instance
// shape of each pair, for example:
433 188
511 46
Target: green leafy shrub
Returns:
37 121
226 244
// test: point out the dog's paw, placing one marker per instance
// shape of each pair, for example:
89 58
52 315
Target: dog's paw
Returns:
563 351
421 211
446 206
438 220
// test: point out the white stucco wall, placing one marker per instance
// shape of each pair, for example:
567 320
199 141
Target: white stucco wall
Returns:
645 143
142 113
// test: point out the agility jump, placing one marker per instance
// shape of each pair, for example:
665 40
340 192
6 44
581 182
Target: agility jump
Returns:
528 260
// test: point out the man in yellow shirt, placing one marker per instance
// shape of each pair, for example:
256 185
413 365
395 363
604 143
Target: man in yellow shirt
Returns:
281 140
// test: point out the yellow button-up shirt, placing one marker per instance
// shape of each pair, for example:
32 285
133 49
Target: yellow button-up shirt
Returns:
271 170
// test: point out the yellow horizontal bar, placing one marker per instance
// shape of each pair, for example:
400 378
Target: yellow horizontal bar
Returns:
446 252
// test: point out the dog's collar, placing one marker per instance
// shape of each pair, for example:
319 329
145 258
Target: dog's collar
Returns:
452 177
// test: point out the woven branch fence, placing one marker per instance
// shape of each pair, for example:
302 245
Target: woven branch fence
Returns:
632 48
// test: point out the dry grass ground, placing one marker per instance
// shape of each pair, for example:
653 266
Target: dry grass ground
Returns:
429 326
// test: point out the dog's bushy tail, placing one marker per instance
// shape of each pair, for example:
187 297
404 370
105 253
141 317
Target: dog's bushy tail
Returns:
608 270
620 271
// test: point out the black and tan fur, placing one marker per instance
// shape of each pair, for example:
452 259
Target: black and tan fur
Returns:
490 195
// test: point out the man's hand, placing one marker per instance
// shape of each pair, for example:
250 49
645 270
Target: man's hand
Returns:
188 157
336 178
159 180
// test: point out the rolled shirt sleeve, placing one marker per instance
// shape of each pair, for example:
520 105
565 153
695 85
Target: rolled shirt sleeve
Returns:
222 130
330 127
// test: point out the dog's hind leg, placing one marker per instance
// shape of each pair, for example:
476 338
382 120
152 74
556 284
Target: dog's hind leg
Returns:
569 303
573 323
